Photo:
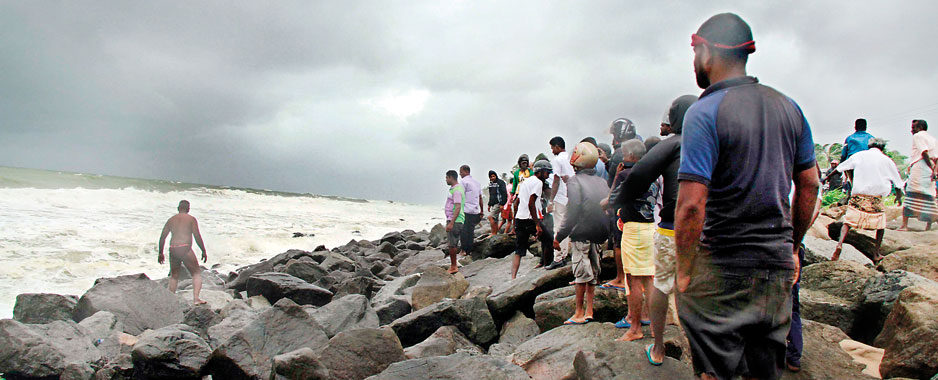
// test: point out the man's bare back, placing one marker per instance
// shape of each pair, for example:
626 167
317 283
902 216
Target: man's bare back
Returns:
183 228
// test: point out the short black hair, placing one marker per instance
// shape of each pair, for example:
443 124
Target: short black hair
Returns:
921 124
860 125
183 205
727 29
452 174
590 140
558 142
465 167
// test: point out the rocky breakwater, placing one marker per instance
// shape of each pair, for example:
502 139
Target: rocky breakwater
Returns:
386 309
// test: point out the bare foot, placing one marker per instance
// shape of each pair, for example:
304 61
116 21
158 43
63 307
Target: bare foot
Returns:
902 229
199 302
836 255
620 284
632 334
452 270
538 266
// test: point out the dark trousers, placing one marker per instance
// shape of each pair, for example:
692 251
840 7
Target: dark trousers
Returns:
524 229
469 231
795 342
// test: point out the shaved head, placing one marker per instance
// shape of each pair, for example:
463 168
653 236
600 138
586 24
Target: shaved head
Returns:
183 206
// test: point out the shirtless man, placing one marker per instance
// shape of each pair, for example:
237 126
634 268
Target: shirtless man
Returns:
184 227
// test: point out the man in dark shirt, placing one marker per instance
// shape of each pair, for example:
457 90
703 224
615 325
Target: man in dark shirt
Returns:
744 144
833 177
498 197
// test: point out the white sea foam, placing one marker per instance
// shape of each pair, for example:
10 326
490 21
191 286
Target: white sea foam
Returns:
61 240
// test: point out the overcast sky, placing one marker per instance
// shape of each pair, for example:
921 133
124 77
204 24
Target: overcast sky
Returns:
378 99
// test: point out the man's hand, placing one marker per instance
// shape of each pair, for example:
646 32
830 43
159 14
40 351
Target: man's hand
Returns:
683 279
160 259
556 245
797 266
620 168
204 257
449 226
539 230
550 207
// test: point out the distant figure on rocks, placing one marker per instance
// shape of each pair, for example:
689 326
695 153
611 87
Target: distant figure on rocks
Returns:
587 227
473 208
855 143
833 178
529 217
183 227
874 176
736 232
498 197
455 217
921 197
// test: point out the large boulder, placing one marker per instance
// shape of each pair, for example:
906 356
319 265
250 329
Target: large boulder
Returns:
818 250
388 248
347 313
551 355
552 308
239 279
437 235
414 263
393 237
910 335
470 316
878 296
831 292
274 286
201 318
357 354
215 299
300 364
364 285
105 330
518 329
823 358
624 360
338 262
459 366
235 317
497 246
171 352
138 302
305 270
447 340
282 328
920 260
436 284
865 241
45 351
393 300
510 295
43 307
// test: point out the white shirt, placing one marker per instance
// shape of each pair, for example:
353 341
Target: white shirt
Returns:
873 171
532 185
560 165
921 142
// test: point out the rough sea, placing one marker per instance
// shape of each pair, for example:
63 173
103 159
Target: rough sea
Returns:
60 231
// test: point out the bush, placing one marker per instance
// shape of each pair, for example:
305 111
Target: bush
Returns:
832 197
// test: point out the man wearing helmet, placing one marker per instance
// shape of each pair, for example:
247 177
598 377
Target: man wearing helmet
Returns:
518 176
586 226
530 214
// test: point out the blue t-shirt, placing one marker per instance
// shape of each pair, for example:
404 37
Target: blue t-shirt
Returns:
855 143
745 141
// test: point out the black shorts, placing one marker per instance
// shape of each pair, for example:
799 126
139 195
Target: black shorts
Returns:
737 319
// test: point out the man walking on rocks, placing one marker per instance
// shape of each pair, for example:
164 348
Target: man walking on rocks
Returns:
530 216
498 197
744 144
183 227
562 172
455 217
473 208
586 226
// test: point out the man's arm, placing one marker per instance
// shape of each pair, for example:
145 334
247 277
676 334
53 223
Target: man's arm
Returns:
573 211
802 210
532 208
160 258
198 239
651 166
457 208
688 225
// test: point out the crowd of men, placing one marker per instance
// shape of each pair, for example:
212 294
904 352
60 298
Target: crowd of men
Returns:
713 212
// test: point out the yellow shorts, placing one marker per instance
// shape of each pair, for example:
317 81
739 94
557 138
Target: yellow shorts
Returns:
638 248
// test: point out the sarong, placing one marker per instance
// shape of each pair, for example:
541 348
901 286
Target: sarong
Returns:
867 212
920 194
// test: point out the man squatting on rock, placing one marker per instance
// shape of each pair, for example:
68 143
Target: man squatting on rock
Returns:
184 227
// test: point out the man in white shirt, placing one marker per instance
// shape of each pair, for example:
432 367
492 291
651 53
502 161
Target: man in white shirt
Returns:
473 208
562 171
920 189
874 176
529 215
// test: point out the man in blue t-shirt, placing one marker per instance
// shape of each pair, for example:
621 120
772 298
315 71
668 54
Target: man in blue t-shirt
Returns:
857 142
736 231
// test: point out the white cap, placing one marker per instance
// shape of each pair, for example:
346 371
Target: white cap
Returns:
665 119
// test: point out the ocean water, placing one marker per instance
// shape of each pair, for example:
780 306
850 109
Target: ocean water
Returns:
61 231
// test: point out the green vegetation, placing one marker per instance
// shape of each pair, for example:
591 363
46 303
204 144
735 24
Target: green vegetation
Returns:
832 197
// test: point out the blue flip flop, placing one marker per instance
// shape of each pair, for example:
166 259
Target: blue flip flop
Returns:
646 323
648 354
570 321
623 324
608 286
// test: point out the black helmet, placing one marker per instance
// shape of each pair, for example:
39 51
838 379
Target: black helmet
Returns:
622 129
524 157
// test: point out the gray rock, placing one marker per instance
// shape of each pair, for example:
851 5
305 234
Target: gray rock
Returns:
364 285
447 340
921 260
104 329
392 309
139 303
820 250
460 366
823 358
497 246
274 286
44 351
470 316
910 334
235 317
393 300
518 329
552 308
416 246
436 284
201 318
437 235
831 291
829 309
247 354
624 360
357 354
388 248
393 237
301 364
307 271
172 352
337 262
347 313
413 263
43 307
239 280
878 296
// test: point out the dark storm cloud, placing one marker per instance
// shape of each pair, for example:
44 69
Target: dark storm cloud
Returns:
378 99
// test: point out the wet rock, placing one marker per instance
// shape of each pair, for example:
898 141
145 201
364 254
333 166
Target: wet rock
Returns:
910 334
307 271
172 352
447 340
301 364
44 351
357 354
138 302
436 284
552 308
470 316
416 246
274 286
347 313
831 291
823 358
877 298
239 279
921 260
43 307
247 353
459 366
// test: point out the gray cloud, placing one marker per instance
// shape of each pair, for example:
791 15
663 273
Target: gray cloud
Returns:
313 97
